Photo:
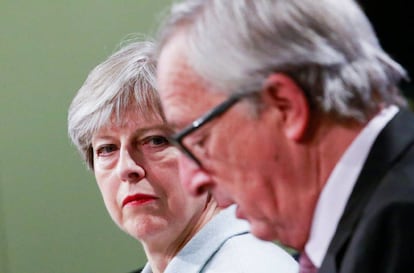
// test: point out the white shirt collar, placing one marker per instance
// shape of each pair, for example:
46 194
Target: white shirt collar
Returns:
336 192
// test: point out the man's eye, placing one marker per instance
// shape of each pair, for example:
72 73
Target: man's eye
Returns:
197 141
105 150
156 141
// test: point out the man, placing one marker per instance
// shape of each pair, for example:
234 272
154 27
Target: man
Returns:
290 109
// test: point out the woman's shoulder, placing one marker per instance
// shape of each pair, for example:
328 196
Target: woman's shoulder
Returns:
246 253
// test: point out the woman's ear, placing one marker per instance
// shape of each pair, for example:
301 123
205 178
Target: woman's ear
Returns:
283 93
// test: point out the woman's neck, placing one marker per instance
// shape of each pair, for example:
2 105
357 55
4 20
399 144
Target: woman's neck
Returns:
159 252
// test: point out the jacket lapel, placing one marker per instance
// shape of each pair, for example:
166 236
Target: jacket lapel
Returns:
390 143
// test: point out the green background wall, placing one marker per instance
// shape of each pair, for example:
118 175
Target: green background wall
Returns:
52 219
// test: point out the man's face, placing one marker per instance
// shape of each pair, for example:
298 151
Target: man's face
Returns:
244 157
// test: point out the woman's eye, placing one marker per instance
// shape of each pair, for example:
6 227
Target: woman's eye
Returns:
156 140
105 150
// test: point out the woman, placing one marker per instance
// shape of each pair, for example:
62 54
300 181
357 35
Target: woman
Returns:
117 124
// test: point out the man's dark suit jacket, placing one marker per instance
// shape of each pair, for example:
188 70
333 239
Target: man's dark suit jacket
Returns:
376 232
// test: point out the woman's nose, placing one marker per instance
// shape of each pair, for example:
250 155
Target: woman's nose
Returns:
129 169
194 179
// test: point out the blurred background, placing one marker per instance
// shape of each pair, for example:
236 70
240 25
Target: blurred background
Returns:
52 218
393 22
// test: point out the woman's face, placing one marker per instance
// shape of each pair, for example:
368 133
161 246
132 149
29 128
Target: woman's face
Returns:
136 172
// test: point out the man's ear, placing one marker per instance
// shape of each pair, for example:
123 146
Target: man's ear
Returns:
283 93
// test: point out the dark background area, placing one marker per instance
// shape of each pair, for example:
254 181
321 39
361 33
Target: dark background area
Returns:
392 21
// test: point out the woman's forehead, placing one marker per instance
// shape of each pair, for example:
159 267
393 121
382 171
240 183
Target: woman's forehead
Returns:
133 118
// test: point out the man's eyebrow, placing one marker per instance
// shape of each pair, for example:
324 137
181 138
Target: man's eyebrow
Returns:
176 127
173 126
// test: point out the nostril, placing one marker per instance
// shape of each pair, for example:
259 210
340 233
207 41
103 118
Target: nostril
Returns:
133 176
201 190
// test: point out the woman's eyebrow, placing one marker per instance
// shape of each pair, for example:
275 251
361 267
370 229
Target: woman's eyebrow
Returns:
161 127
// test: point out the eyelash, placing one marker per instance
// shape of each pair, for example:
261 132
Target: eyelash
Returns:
152 139
101 150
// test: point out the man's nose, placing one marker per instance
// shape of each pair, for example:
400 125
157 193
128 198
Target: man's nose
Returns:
193 177
128 167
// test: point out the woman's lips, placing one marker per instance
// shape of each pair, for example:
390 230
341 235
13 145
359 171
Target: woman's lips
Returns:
137 199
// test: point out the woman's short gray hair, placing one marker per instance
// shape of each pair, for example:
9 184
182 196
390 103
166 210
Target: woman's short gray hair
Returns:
327 46
126 80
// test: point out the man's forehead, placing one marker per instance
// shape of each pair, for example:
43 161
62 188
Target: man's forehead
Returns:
174 69
181 109
172 56
181 89
185 95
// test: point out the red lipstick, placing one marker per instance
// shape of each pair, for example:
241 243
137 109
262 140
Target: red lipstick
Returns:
137 199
